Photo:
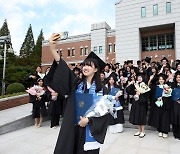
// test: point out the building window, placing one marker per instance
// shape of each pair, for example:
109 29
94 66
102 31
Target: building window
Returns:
86 51
81 51
100 49
114 47
145 44
155 9
153 43
143 12
110 48
161 42
73 52
158 42
69 53
168 7
170 41
95 49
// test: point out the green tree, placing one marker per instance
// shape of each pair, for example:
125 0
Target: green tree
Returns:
37 53
4 31
28 44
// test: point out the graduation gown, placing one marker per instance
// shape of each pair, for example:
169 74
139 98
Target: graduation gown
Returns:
175 116
39 106
138 113
159 117
55 109
72 137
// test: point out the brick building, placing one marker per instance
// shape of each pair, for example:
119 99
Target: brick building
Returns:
75 49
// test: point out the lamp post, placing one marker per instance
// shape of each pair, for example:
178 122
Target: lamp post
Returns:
5 40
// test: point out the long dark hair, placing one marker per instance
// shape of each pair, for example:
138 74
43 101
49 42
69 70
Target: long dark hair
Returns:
175 76
96 77
115 83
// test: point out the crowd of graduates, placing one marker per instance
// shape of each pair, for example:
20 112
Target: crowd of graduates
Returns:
164 110
145 87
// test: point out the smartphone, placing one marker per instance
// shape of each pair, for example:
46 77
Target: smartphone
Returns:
63 35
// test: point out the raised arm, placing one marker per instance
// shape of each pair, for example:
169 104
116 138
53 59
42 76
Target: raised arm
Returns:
52 44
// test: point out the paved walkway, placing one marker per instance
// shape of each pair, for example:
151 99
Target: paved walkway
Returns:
42 141
15 113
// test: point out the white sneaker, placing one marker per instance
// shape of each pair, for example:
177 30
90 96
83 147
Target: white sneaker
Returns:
142 135
160 134
165 135
137 134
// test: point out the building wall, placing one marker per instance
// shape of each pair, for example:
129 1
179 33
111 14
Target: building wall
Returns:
99 38
110 56
129 21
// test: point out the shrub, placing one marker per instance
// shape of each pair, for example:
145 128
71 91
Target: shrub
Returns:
15 88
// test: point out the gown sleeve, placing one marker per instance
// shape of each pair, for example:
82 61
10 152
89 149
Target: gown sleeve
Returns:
98 127
60 78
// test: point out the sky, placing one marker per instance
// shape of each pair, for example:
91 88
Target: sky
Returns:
74 16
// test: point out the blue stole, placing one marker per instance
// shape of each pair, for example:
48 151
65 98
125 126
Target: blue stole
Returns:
113 92
90 143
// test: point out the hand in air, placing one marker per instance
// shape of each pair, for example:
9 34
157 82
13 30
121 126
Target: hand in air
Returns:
52 40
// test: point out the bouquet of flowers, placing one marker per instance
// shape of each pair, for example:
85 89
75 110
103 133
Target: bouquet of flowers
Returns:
167 91
36 90
142 87
104 106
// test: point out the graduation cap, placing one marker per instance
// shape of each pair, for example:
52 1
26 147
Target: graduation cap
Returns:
130 61
125 62
138 62
154 62
147 59
113 75
76 69
164 58
117 63
107 64
143 75
177 62
101 63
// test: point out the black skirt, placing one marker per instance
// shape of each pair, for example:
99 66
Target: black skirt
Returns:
159 117
138 113
175 113
39 108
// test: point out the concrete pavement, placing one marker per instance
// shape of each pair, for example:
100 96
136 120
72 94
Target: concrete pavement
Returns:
42 140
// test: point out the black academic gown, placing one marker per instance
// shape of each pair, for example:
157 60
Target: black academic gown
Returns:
159 117
72 137
138 113
55 110
175 116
